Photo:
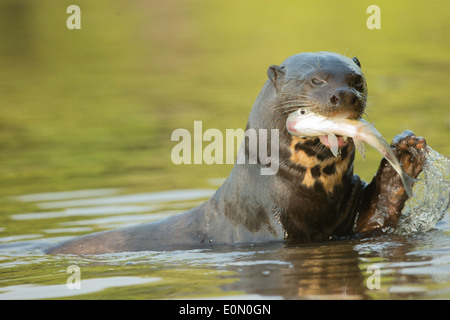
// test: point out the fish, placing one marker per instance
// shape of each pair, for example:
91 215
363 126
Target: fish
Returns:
306 123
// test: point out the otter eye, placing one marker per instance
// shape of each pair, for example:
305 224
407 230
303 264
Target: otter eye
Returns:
358 82
317 81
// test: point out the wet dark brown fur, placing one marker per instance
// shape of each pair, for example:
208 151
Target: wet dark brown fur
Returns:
314 196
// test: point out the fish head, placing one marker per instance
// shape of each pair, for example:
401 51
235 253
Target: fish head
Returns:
308 125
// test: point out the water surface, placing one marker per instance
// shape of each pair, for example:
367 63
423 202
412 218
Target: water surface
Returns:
410 266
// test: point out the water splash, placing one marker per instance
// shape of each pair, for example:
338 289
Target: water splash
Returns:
432 196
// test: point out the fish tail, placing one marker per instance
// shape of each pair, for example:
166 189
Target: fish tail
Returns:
408 183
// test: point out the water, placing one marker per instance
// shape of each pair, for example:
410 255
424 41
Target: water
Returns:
412 263
432 196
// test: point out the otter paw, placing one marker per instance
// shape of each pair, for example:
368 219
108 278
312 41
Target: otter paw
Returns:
385 196
410 151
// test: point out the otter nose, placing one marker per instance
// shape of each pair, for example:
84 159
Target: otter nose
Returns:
334 100
344 97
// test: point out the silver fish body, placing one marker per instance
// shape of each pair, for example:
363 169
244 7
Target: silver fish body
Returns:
305 123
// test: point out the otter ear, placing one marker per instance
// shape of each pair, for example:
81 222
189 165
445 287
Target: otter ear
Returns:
355 60
274 72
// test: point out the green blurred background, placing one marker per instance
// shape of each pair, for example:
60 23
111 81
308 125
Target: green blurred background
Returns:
95 107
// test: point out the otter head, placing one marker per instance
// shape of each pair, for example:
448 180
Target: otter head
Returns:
326 82
329 84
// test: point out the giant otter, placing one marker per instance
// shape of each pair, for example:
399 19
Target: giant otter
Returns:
314 196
